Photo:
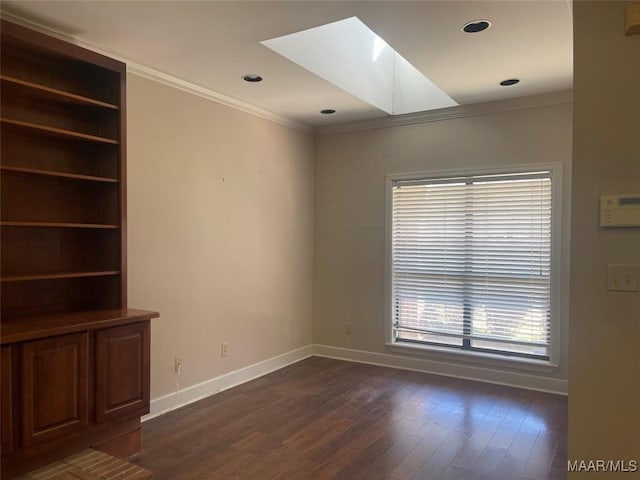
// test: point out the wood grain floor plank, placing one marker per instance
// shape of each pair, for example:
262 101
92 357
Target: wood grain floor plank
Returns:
517 455
489 460
558 467
540 459
414 461
453 472
437 463
475 445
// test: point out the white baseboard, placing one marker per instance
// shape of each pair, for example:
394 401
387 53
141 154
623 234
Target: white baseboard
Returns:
214 385
481 374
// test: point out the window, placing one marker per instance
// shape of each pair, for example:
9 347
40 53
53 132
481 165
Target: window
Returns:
470 262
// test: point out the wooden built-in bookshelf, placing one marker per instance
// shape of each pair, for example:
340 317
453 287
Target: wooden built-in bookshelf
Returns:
63 254
62 167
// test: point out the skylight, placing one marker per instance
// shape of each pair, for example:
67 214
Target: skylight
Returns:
351 56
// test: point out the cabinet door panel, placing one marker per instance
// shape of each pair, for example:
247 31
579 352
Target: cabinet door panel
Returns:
122 371
55 387
6 427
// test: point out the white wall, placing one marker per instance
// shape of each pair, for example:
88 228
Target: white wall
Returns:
604 381
220 239
350 175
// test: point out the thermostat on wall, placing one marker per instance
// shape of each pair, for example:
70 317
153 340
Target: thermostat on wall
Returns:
620 210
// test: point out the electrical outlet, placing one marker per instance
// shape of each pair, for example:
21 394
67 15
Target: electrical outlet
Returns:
177 366
347 328
622 278
224 349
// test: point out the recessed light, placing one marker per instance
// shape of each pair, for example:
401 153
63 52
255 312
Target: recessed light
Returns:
327 111
476 26
252 78
509 82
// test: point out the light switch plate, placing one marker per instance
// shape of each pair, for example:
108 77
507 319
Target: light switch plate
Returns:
622 278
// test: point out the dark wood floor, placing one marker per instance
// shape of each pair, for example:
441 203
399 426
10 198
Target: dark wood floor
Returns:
322 419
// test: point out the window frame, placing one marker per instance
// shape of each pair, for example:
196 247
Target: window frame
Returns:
476 356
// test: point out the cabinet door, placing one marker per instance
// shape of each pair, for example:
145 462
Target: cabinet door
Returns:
122 371
54 387
6 419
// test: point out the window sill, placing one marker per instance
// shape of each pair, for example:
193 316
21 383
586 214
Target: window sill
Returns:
478 359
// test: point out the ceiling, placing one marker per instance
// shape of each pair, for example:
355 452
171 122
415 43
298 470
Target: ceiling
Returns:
212 44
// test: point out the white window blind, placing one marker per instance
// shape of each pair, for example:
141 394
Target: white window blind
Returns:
471 262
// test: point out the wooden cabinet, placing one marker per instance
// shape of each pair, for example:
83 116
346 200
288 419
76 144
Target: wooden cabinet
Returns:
81 380
55 385
75 358
122 371
6 412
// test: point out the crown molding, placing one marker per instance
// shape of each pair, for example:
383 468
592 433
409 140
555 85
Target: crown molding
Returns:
461 111
212 95
149 73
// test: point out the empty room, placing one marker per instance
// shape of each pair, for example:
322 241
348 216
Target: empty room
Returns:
320 240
